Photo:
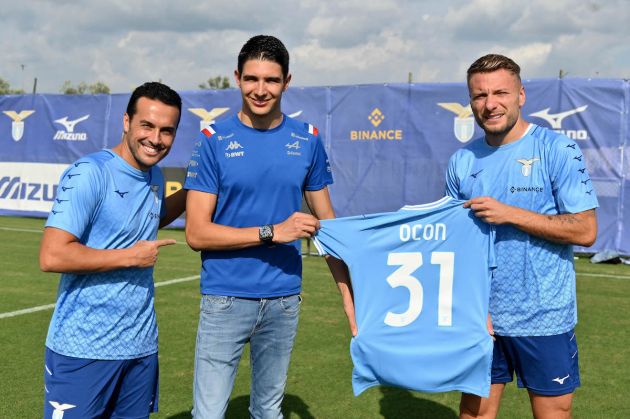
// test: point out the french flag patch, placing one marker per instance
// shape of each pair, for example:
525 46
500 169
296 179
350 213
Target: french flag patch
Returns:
208 131
313 130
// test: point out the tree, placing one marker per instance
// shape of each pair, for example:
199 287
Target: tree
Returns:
216 83
5 88
84 88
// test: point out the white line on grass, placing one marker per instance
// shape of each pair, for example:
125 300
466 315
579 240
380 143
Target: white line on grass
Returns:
602 275
25 230
26 311
176 281
50 306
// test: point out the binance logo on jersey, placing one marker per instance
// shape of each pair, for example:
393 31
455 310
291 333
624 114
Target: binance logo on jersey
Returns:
17 127
555 121
208 117
463 123
376 117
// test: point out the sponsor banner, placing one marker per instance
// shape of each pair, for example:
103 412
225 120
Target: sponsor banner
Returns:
29 186
174 178
388 145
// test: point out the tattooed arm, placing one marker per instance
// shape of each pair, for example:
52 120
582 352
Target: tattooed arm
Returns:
579 229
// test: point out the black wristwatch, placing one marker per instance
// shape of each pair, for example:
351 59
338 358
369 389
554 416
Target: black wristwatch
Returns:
265 234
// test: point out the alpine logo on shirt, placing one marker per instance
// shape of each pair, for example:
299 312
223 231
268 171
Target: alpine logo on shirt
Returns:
292 149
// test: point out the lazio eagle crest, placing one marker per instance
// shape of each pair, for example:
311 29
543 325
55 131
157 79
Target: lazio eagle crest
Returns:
464 123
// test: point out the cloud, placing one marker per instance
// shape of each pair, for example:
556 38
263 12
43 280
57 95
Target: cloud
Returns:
183 43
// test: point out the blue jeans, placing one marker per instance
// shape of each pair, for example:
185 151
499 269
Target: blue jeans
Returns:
225 325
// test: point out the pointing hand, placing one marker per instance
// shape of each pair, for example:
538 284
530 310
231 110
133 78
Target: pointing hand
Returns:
145 252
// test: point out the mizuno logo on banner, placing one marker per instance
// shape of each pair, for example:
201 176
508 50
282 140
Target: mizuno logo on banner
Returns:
555 122
69 134
29 186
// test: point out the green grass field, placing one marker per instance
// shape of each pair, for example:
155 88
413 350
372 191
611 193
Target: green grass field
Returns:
319 378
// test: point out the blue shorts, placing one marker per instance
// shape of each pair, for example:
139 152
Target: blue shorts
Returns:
93 388
545 365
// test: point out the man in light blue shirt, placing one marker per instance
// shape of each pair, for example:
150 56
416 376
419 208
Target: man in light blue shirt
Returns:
532 183
101 349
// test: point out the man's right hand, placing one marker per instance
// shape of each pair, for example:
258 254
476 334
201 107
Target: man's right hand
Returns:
298 226
145 253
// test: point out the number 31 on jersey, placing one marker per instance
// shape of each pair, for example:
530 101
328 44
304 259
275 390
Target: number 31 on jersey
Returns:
403 277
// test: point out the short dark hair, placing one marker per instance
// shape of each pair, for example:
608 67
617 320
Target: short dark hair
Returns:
267 48
493 62
155 91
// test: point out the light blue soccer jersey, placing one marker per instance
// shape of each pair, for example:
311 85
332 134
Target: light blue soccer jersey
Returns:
533 288
421 282
106 204
259 177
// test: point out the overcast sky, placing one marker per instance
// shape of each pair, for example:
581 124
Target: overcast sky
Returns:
126 42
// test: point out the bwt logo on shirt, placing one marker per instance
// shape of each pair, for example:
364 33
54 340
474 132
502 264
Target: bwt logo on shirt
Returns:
555 121
68 134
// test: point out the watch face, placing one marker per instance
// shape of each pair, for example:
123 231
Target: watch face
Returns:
266 233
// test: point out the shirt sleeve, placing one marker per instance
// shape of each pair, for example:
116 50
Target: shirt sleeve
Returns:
570 179
452 181
78 197
203 171
328 240
319 174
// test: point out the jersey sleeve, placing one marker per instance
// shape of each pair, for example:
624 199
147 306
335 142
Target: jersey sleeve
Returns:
319 174
570 179
452 181
202 173
327 240
78 197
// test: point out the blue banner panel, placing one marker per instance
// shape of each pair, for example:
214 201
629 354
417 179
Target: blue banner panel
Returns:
51 128
379 159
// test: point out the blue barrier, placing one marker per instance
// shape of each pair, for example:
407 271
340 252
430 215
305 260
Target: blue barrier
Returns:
388 144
